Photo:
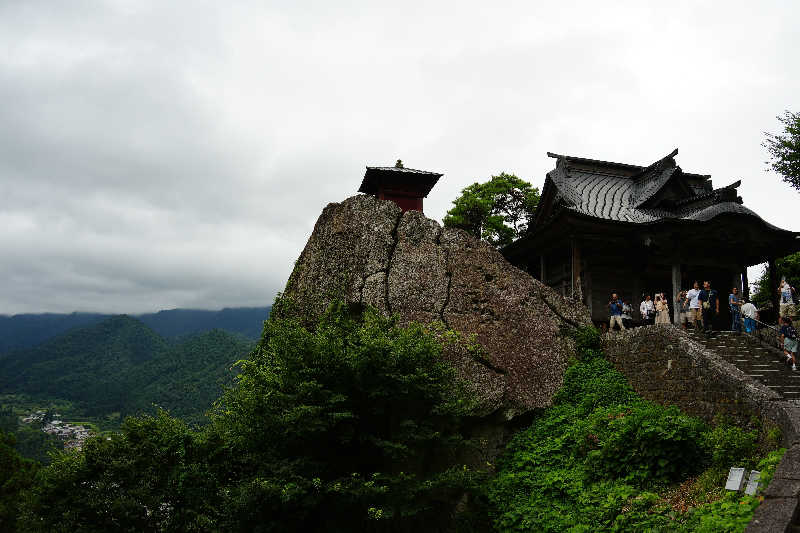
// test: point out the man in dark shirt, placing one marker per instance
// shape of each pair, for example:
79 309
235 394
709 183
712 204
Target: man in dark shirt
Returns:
709 303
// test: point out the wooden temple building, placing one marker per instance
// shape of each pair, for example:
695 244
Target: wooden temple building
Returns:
605 227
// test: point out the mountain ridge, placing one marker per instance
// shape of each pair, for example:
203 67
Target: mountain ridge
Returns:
26 330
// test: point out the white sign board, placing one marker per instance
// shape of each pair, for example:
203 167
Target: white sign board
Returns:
752 483
735 479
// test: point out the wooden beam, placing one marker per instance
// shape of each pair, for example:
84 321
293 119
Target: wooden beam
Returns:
576 267
745 284
542 269
774 297
676 288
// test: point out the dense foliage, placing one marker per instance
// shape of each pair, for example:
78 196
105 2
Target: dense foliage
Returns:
354 425
784 149
601 458
16 475
498 211
121 366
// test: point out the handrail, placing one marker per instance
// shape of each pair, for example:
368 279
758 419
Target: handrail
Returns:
776 330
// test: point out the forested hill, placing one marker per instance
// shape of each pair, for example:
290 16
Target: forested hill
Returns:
120 365
28 330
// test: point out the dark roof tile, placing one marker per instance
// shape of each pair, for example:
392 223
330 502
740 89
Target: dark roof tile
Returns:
624 193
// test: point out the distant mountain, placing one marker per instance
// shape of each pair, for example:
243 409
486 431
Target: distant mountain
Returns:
85 364
24 331
249 321
122 365
28 330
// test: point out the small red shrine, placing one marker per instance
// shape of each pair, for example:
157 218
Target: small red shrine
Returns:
404 186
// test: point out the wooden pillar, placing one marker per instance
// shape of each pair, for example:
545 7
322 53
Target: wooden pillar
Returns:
737 281
576 267
745 284
543 272
587 277
637 293
773 288
676 288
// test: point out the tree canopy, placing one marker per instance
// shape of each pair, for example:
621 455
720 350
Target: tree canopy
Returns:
498 211
784 149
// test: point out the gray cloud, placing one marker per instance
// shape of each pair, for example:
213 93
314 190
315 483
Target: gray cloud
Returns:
157 155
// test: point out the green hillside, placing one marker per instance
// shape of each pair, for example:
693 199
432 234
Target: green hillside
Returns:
189 376
84 365
122 366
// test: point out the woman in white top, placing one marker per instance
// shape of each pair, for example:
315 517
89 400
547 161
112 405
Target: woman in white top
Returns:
646 309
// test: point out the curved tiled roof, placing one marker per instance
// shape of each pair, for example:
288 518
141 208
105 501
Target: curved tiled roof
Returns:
621 193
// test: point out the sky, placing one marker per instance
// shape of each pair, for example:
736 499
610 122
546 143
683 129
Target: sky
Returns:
156 155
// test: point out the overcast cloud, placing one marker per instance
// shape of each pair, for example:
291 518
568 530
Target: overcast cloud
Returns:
176 154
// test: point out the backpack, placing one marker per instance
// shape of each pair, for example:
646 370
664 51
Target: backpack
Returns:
791 333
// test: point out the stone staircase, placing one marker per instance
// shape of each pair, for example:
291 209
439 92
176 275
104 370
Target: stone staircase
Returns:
759 361
766 364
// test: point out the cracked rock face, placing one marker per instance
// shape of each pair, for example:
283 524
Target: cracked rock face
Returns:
367 251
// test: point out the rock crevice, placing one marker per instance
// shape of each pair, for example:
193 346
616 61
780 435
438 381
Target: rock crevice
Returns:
367 251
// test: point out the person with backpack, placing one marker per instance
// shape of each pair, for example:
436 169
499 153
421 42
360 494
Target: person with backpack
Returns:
789 338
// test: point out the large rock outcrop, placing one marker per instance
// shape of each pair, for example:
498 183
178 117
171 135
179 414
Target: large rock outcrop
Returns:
367 251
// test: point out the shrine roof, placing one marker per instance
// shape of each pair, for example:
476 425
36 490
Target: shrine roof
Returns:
621 192
422 180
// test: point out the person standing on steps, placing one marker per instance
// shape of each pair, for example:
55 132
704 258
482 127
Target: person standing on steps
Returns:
647 310
662 309
615 309
709 303
695 312
786 292
750 314
627 314
735 304
789 338
683 307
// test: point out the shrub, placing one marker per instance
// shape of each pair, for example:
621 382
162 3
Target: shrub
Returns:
728 445
590 462
642 443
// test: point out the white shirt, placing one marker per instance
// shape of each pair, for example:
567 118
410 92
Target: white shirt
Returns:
646 306
694 303
786 292
749 310
626 311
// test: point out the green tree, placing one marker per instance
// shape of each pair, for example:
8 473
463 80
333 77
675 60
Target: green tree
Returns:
784 149
16 475
498 211
352 426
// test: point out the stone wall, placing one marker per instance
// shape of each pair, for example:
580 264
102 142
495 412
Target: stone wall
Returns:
663 364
